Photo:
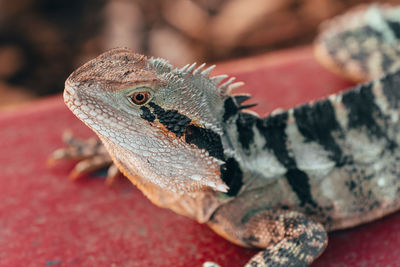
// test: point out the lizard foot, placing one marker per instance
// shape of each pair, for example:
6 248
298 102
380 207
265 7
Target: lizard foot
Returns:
91 154
289 238
299 240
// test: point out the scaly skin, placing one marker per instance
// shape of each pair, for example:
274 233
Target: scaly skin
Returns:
277 183
362 44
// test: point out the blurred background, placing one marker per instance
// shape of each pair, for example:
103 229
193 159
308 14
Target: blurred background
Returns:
43 41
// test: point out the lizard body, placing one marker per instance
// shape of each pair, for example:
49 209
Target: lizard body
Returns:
278 183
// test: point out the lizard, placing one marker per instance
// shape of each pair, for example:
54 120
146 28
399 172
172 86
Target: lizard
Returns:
278 183
361 44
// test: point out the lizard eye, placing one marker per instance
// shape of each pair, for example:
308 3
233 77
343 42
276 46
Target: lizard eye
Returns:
140 98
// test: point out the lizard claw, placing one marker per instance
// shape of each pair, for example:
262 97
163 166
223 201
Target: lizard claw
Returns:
112 174
89 165
91 156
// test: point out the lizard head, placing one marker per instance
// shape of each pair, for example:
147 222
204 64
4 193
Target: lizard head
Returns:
161 125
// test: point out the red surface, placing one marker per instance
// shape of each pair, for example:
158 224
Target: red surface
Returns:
46 220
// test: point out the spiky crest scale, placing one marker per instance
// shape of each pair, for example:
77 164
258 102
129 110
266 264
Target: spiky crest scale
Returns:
191 67
224 89
192 82
206 72
218 79
197 70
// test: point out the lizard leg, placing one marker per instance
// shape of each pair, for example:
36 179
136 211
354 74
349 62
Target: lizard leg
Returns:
79 149
289 238
88 165
91 154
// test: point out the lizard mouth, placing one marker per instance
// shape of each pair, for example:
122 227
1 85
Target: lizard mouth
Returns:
68 95
75 103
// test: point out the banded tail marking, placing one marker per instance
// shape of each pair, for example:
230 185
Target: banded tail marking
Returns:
317 123
391 89
273 129
364 112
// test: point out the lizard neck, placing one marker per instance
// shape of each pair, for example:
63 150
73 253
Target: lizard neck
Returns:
241 145
198 205
245 145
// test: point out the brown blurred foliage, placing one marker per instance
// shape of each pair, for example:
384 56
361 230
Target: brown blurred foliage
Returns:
42 41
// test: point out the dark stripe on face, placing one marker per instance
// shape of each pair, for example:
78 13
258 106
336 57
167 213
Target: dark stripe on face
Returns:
205 139
172 119
244 124
317 123
395 27
362 110
273 130
147 115
232 175
180 124
390 86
